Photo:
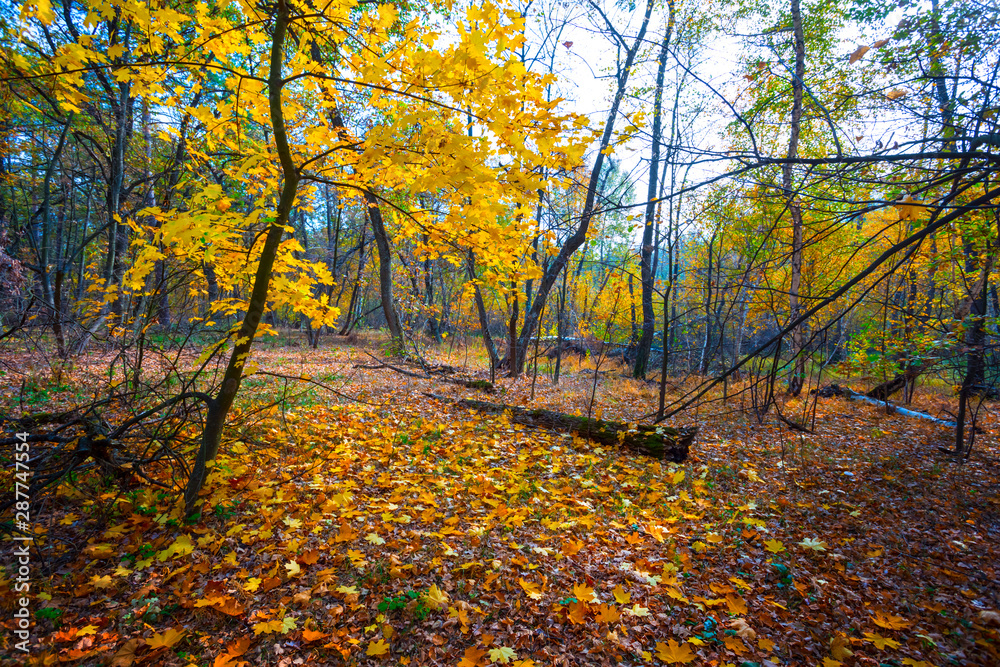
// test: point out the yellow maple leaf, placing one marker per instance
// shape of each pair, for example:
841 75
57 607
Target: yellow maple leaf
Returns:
502 654
294 569
675 593
251 585
621 595
182 546
168 639
473 657
880 642
607 614
736 604
636 610
266 627
890 622
435 597
840 647
377 647
774 546
571 547
673 653
102 582
531 589
87 630
583 593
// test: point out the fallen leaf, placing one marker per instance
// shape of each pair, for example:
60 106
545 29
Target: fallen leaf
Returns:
166 639
126 653
674 653
890 622
881 642
473 657
377 647
774 546
813 543
503 655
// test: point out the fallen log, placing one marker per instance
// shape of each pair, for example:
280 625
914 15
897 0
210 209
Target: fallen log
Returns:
899 382
662 442
837 390
480 385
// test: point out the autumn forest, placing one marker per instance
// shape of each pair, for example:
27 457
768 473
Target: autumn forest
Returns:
516 332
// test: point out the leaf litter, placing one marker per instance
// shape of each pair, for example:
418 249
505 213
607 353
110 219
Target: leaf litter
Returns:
405 532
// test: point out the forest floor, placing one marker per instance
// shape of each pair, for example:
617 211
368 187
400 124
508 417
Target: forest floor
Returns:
395 529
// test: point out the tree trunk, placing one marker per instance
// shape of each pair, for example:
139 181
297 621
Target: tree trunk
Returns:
149 200
220 405
43 245
646 251
118 241
385 273
797 377
975 342
706 350
899 382
579 236
512 325
560 330
433 328
484 320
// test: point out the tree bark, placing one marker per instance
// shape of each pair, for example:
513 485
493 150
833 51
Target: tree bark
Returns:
114 267
797 377
219 406
646 251
899 382
662 442
579 236
484 320
43 246
706 349
385 273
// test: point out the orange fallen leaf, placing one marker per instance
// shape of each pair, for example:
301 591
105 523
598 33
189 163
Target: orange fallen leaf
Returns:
313 635
473 657
166 639
674 653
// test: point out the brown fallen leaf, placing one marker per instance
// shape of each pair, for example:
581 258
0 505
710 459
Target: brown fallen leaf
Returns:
127 653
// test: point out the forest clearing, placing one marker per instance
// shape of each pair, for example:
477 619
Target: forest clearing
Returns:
404 531
499 332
